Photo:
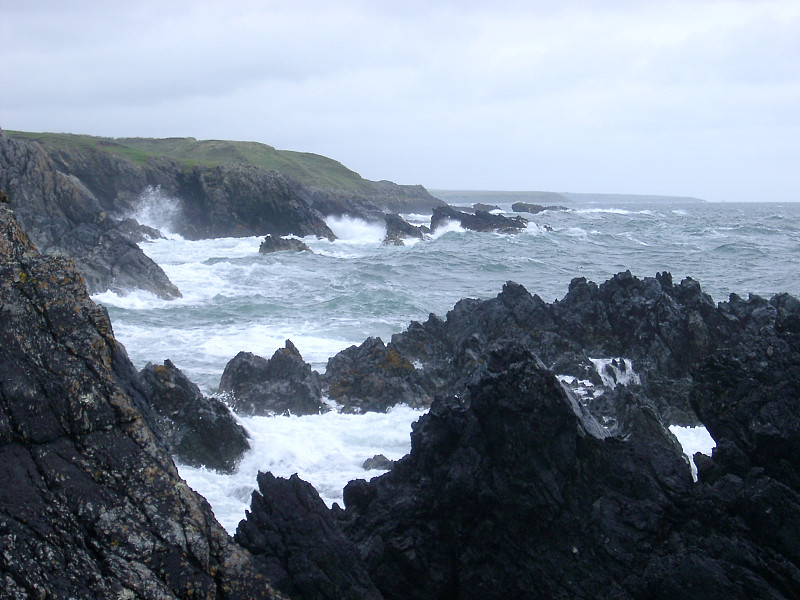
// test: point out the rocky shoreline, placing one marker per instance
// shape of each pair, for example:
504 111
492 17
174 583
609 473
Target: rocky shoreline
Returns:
519 482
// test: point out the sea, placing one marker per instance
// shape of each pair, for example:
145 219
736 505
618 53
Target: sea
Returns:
344 291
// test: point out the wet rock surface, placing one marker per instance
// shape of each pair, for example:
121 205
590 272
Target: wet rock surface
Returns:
284 384
534 209
198 431
373 377
91 505
306 554
480 220
643 334
398 229
274 243
514 490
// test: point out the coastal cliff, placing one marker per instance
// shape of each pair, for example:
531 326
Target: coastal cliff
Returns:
75 195
91 505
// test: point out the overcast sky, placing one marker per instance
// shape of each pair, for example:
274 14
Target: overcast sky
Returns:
698 98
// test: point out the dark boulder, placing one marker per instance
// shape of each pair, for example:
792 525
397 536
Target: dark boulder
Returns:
281 385
198 431
480 221
533 209
273 243
398 229
372 377
91 505
291 531
378 463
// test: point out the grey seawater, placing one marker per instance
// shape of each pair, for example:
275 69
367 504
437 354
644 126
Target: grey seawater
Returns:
237 299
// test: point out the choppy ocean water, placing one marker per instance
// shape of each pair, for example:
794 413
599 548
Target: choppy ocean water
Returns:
237 299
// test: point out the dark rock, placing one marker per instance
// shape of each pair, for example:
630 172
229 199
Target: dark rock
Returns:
291 531
398 229
665 330
91 505
533 209
379 463
283 384
372 377
484 207
480 221
504 485
240 200
198 431
514 483
273 243
748 396
63 216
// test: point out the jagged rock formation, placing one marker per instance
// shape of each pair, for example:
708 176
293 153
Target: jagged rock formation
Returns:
281 385
306 555
372 377
479 221
91 505
663 329
198 431
398 229
63 216
274 243
513 490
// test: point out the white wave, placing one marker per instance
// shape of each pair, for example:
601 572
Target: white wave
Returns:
680 212
326 450
416 219
577 232
693 439
537 229
158 210
610 211
616 371
133 300
356 231
445 227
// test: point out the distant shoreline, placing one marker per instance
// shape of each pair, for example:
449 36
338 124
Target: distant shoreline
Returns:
550 197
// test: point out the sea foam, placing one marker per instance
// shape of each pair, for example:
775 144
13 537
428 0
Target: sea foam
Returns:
326 450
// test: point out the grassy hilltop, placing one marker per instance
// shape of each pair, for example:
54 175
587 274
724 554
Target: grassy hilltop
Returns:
311 169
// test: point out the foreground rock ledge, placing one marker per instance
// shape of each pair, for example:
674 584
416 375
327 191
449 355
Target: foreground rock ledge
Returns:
91 505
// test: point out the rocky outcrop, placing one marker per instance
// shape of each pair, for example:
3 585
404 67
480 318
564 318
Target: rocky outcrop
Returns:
198 431
534 209
398 229
91 505
284 384
644 335
514 483
306 555
274 243
240 200
372 377
63 216
479 221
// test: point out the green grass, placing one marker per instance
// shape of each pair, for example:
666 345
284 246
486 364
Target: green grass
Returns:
311 169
